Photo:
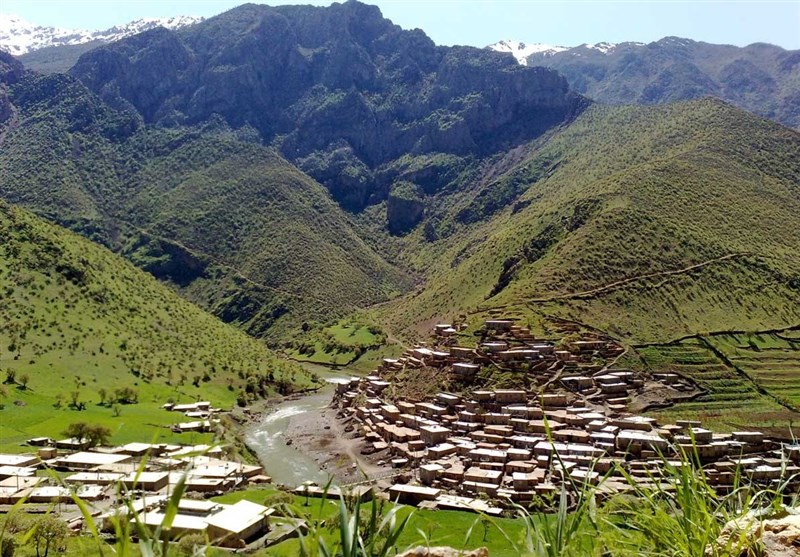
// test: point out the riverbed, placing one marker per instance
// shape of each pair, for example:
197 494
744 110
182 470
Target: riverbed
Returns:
301 440
286 463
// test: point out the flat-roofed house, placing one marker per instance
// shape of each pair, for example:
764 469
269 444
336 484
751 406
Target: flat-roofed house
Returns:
146 481
86 460
465 369
19 460
239 523
181 524
412 494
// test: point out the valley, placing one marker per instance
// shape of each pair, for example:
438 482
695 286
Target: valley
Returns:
289 274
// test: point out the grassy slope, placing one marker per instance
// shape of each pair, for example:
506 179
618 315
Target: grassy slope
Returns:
628 191
275 247
76 318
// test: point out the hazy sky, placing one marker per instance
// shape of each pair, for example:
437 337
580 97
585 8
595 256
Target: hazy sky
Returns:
480 22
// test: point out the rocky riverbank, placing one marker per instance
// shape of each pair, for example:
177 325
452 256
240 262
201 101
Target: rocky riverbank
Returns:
332 443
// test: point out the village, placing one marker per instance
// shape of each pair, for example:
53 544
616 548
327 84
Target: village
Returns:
133 483
476 447
486 449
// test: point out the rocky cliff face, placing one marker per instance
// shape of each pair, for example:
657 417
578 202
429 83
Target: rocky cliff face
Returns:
404 207
11 71
341 91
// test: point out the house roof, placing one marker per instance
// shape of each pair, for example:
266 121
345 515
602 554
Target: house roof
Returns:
239 516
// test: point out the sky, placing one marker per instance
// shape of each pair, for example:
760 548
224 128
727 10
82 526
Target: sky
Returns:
481 22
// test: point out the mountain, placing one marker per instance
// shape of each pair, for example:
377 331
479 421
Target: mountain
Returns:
199 153
287 167
647 222
52 49
340 91
761 78
227 220
18 37
521 50
78 324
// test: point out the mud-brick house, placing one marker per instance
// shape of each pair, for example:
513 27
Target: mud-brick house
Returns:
434 434
465 370
510 396
462 352
412 494
499 325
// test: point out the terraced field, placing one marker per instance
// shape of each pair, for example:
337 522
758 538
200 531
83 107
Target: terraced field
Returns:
770 360
731 401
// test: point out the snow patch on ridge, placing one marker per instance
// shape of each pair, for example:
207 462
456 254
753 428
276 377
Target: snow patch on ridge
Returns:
19 37
521 50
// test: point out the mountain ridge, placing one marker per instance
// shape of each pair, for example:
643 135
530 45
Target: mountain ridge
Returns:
596 204
81 324
227 220
760 77
19 37
333 89
286 167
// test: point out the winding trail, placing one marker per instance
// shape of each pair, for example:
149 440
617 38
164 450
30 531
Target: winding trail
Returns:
617 284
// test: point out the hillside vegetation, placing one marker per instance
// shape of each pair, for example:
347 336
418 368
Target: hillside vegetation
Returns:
290 167
646 222
750 380
87 337
237 228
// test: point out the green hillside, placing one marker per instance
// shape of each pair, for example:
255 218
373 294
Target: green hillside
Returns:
237 228
78 325
649 223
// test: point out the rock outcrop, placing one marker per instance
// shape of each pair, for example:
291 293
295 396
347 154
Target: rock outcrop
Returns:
405 207
777 536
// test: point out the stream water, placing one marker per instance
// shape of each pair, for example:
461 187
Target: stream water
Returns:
285 463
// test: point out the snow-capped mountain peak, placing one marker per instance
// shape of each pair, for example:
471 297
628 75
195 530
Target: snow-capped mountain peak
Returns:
603 47
521 50
19 37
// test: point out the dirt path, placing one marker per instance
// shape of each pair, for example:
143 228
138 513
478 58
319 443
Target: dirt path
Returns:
617 284
593 292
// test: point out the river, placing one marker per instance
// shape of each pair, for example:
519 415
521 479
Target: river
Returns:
285 463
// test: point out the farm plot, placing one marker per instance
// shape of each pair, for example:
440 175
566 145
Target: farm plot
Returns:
771 360
731 400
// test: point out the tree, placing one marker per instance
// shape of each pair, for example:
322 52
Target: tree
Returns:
11 376
92 434
99 435
49 533
24 379
103 395
77 430
126 395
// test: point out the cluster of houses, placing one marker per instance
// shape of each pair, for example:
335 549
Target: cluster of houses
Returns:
569 428
201 415
141 477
